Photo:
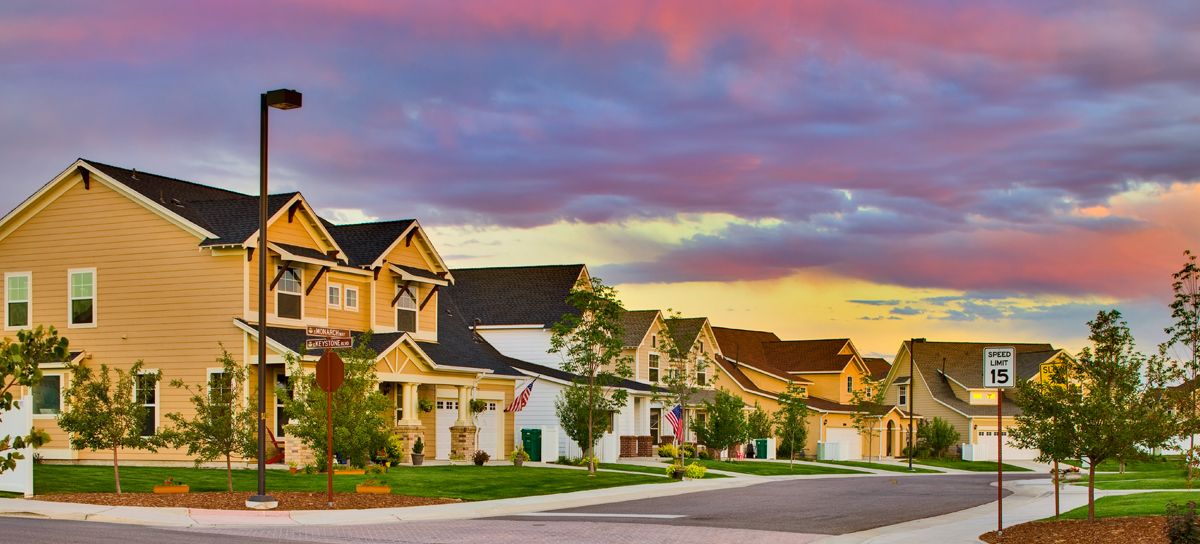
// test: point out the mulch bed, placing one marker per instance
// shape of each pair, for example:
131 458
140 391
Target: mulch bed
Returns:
288 500
1125 530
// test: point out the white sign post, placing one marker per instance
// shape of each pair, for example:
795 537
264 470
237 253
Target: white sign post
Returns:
999 373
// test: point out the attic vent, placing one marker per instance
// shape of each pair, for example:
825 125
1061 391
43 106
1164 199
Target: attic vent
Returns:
133 173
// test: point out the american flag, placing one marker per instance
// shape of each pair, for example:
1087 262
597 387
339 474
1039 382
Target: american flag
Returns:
522 398
675 419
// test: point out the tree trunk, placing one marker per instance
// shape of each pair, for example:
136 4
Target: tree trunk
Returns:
1091 490
116 470
1122 460
591 451
229 473
1056 489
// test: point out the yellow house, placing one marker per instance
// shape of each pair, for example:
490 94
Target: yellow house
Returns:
135 266
827 372
948 384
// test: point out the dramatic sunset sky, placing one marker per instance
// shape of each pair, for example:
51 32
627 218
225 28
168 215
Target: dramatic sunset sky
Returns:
878 170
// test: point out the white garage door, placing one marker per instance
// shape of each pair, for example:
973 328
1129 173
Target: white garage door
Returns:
489 430
985 448
849 444
447 414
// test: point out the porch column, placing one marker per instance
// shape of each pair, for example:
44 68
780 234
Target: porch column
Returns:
464 406
462 433
409 428
410 403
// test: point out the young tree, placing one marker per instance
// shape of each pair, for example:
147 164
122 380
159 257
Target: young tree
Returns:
19 368
1044 423
867 400
360 412
106 413
1184 333
726 422
938 435
679 382
223 425
1111 395
590 344
791 421
758 423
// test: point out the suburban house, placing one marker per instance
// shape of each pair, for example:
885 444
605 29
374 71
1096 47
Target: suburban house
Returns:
514 308
827 372
946 381
134 266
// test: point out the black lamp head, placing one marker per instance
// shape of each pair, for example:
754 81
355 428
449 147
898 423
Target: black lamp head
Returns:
284 99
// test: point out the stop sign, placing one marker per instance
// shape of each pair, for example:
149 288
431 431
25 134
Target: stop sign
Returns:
331 372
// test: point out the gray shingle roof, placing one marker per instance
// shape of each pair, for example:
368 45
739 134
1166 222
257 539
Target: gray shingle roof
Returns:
685 330
518 295
635 324
365 242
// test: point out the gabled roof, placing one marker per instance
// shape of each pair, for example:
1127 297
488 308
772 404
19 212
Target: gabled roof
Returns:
878 366
235 220
685 331
366 242
743 345
516 295
808 355
740 378
635 324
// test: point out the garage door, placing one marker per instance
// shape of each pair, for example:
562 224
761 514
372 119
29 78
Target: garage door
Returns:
849 444
985 448
447 414
489 430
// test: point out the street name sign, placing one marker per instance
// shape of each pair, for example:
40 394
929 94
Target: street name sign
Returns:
999 367
326 332
328 343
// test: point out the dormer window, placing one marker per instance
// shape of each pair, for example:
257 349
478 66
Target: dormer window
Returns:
289 297
406 309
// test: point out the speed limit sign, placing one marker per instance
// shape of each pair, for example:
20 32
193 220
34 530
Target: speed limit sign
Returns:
999 367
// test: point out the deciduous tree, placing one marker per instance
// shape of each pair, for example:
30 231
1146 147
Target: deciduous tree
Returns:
679 382
791 421
938 435
758 423
867 400
19 368
725 424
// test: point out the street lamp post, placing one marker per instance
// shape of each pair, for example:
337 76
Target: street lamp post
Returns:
912 389
283 99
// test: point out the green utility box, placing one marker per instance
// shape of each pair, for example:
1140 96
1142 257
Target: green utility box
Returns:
531 440
760 448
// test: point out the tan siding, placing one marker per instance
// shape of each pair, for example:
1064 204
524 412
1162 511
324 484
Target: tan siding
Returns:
159 297
347 319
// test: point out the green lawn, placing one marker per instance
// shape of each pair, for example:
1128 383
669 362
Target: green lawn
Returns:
883 466
1137 465
467 482
973 466
1137 504
648 470
1169 473
769 468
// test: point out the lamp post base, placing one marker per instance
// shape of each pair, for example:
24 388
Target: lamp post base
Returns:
262 502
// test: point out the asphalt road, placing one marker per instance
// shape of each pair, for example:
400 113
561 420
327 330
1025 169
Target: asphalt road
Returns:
822 506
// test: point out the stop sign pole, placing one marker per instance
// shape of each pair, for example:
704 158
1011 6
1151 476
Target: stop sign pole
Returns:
331 372
999 373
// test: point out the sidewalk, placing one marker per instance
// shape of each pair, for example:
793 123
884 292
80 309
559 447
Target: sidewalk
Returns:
184 517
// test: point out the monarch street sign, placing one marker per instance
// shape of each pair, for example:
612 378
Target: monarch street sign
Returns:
999 367
326 332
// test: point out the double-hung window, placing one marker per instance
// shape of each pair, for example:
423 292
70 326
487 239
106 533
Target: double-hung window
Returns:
849 384
406 308
146 393
47 395
82 298
903 392
17 297
351 299
701 377
289 298
653 368
335 296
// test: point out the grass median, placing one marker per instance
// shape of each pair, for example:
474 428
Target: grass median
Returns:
971 466
466 482
1137 504
648 469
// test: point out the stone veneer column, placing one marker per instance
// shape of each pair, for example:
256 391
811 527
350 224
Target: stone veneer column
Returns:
462 433
409 428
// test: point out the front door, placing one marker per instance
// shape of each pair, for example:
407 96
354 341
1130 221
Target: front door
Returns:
891 430
655 423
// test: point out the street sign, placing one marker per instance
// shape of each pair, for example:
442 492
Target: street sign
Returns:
331 372
328 343
999 367
326 332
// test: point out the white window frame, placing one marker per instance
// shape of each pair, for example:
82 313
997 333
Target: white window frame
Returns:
329 291
71 324
279 291
28 300
654 362
346 290
416 309
701 373
157 404
902 395
208 374
62 386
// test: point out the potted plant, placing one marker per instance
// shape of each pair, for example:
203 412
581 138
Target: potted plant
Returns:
425 405
478 406
171 487
676 471
371 486
518 456
418 452
293 467
480 457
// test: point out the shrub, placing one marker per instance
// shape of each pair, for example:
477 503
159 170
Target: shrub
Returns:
418 446
312 468
518 453
673 468
1182 527
564 460
694 471
689 450
922 451
938 435
480 457
667 450
704 454
583 461
375 469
